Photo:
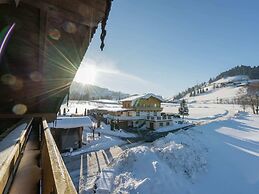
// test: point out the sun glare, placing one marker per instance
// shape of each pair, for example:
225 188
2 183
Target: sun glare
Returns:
86 75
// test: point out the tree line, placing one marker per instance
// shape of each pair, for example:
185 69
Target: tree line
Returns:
249 97
251 72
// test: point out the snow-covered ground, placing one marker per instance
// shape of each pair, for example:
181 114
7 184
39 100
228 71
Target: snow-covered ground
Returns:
173 127
70 122
106 129
101 143
220 157
216 95
237 78
108 138
199 112
223 90
80 106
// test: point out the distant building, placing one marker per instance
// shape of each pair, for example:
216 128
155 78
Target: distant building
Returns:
140 110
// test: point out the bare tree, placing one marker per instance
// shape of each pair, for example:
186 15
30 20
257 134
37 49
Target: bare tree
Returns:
242 98
253 95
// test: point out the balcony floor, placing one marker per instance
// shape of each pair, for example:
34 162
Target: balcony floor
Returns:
28 174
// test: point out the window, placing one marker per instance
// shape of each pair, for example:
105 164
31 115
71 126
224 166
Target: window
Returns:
155 113
161 124
167 123
137 113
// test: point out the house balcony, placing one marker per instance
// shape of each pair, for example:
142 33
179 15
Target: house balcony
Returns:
126 118
144 109
159 118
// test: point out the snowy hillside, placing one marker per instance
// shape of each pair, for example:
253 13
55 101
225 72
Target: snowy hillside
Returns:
79 91
223 90
215 95
238 78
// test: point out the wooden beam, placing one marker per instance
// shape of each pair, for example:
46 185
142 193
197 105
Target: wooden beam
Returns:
9 166
49 116
55 175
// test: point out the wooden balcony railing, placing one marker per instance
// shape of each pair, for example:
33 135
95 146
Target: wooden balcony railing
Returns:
55 177
24 171
11 154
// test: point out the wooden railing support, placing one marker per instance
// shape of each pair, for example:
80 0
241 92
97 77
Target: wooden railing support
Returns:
55 177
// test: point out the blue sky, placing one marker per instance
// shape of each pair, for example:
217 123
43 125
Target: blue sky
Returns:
166 46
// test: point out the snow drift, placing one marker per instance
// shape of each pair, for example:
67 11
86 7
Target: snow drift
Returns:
166 166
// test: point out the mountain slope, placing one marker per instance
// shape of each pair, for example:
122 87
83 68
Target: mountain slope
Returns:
217 95
237 74
224 90
251 72
79 91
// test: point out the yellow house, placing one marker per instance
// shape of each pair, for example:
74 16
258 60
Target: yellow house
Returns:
145 103
140 110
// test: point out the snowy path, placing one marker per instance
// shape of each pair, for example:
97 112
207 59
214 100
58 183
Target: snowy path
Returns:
85 168
96 162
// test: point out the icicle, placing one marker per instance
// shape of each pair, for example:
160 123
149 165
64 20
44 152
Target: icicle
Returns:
104 22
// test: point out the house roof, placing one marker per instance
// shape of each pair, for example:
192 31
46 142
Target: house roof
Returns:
142 96
113 109
34 67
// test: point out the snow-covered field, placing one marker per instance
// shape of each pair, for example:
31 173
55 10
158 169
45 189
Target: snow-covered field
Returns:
227 93
82 105
106 129
223 90
101 143
220 157
199 112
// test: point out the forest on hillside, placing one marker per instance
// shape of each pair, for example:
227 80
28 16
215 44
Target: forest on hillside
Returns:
251 72
79 91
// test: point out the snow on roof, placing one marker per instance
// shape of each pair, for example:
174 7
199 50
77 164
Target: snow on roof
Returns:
232 79
142 96
71 122
106 101
112 109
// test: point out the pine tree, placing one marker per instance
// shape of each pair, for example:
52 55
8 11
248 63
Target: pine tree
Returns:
183 109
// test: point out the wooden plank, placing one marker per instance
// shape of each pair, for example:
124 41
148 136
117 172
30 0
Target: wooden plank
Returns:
28 174
48 116
82 11
55 175
9 166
